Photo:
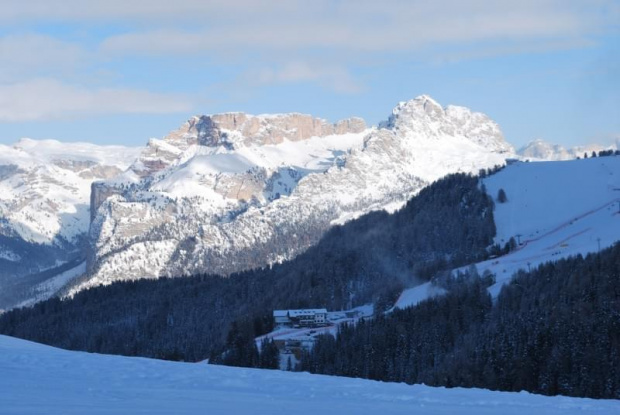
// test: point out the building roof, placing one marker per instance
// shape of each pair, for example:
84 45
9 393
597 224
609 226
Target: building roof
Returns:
306 312
299 313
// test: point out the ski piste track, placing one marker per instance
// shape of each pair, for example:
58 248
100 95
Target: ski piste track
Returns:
567 223
515 257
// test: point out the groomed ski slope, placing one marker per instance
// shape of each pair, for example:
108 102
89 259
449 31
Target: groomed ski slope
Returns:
555 209
37 379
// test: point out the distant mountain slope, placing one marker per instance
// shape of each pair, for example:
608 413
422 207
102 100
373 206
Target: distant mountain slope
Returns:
44 207
231 192
47 380
541 150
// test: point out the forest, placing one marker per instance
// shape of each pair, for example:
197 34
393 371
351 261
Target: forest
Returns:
554 330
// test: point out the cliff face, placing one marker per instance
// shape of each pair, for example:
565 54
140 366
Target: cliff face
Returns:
231 131
228 192
99 192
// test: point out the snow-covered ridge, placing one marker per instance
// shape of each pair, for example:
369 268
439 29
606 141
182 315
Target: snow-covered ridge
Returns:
44 210
541 150
554 210
48 380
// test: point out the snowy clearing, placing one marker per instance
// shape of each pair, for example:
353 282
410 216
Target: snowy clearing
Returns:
39 379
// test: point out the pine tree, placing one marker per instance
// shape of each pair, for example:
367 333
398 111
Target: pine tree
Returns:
501 196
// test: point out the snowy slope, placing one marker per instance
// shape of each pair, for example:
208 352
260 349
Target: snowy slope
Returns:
559 209
39 379
261 189
413 296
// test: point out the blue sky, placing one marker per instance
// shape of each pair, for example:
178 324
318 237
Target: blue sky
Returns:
122 71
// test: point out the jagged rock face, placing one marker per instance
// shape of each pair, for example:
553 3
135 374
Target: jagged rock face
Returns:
232 191
241 129
234 130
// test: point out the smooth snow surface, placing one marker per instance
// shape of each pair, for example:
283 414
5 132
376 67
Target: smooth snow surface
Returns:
559 209
412 296
38 379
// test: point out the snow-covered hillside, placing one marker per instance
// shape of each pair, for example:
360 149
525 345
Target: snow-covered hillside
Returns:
233 191
39 379
554 209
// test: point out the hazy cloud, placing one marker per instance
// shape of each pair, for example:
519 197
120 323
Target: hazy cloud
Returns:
364 26
335 78
45 99
30 55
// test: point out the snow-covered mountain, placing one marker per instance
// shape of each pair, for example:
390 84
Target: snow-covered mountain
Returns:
233 191
541 150
53 381
44 206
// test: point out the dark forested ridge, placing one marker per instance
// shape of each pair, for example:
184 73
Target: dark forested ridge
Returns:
449 223
555 330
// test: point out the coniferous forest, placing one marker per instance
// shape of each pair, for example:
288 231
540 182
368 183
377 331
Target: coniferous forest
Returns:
554 330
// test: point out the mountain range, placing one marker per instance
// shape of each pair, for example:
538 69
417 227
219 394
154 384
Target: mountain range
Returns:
222 194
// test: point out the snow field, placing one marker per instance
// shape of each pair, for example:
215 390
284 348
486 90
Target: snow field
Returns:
39 379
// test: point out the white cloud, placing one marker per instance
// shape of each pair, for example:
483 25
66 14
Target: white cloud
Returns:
46 99
29 55
332 77
273 33
363 25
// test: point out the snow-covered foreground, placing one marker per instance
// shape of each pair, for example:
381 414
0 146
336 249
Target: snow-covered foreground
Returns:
37 379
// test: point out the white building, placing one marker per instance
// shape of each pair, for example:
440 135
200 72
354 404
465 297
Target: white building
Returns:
304 317
281 317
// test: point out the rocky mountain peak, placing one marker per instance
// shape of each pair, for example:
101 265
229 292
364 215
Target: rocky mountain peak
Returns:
424 117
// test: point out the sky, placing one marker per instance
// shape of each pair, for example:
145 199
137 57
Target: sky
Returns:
123 71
